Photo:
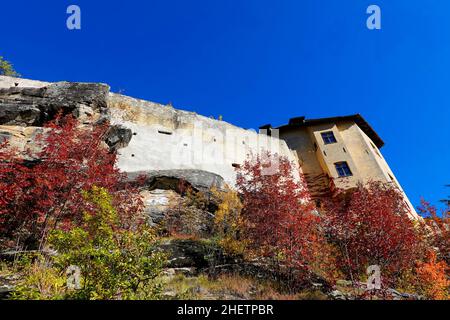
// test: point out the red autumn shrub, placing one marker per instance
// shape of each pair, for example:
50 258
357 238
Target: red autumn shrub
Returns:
439 226
370 226
279 219
46 193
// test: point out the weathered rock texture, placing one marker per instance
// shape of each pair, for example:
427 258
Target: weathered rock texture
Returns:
166 195
171 147
165 138
148 136
118 137
158 203
34 106
199 180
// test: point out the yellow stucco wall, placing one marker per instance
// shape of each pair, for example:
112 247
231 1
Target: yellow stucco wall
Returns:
353 146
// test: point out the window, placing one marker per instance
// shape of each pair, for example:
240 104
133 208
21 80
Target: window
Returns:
343 169
391 177
328 137
393 181
375 149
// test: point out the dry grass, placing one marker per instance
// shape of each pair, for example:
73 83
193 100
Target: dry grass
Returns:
232 287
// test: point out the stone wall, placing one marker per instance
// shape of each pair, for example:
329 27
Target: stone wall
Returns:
165 138
147 135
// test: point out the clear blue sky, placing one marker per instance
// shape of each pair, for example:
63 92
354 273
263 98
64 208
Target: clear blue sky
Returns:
260 61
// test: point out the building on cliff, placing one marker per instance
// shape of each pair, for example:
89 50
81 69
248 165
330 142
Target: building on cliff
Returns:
154 138
338 151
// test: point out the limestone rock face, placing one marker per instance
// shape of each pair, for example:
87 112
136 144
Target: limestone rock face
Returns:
25 106
7 82
118 137
158 203
185 253
22 106
171 206
150 136
200 180
20 137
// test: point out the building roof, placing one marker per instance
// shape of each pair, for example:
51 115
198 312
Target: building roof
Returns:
357 118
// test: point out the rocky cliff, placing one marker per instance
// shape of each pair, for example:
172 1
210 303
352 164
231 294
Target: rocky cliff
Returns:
149 136
26 105
166 144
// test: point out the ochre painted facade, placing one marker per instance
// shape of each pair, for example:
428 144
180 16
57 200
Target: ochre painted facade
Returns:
352 146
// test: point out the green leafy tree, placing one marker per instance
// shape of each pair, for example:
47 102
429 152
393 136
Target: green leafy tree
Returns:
7 69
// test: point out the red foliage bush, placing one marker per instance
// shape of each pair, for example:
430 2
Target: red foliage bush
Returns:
46 193
279 219
370 226
440 228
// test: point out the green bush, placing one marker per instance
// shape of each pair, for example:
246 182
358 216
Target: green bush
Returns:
42 281
114 263
7 69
